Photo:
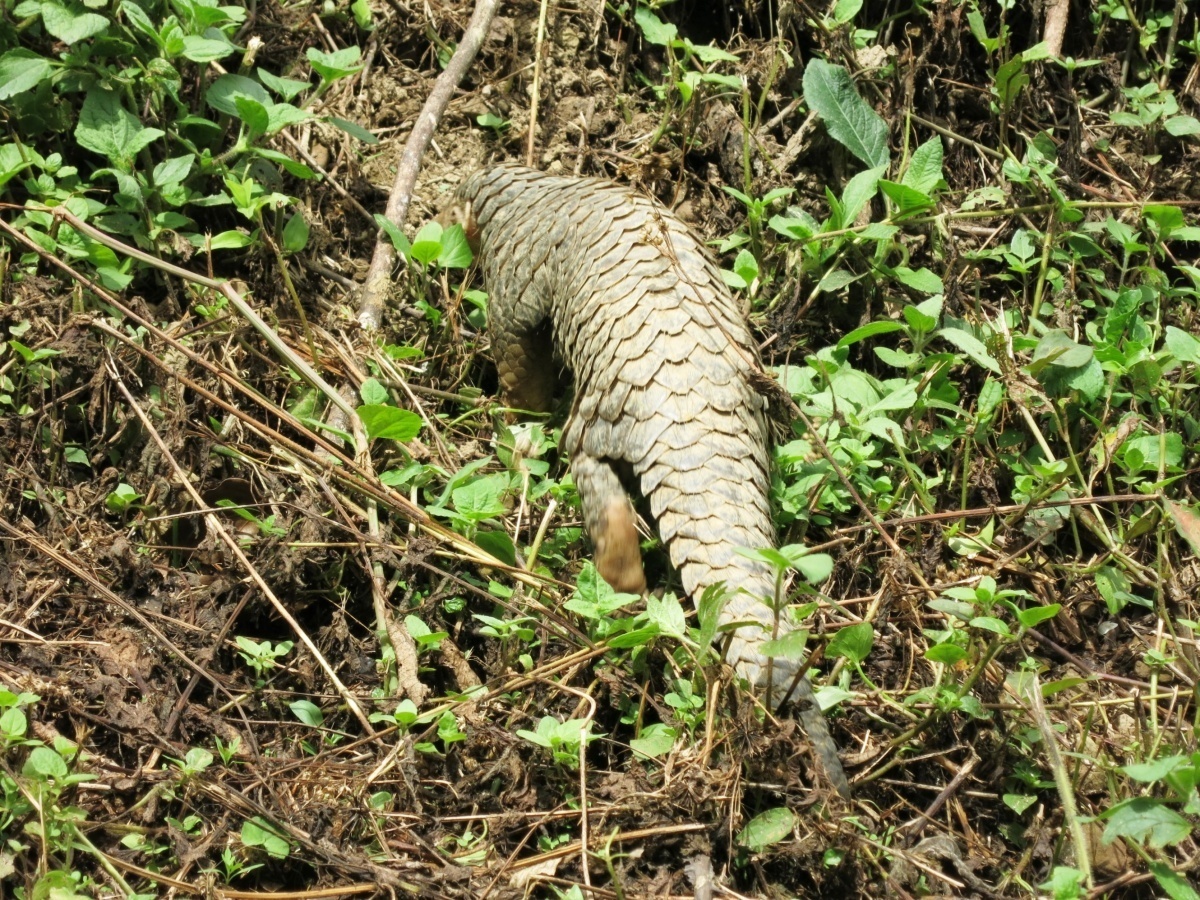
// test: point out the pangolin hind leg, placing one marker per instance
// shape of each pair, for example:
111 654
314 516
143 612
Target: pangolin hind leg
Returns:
609 518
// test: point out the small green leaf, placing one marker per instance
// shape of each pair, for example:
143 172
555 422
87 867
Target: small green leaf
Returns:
852 642
1036 615
767 828
295 233
307 712
335 65
655 740
946 654
924 171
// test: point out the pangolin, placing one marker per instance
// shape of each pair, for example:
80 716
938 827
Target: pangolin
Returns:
663 365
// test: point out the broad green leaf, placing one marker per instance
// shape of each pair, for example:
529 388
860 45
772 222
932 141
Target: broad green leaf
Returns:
706 53
1146 820
353 129
921 279
1187 523
654 30
853 642
767 828
1057 349
44 763
655 740
851 121
204 49
307 712
21 70
222 92
389 422
1174 885
287 88
1036 615
1155 769
1182 345
946 654
71 24
455 252
499 545
1182 126
335 65
107 128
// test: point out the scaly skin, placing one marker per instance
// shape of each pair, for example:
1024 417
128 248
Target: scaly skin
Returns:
662 362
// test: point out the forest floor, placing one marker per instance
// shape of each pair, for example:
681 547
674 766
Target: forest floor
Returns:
239 659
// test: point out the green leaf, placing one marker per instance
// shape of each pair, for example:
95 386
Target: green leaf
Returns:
455 252
654 30
946 654
859 191
1155 770
335 65
222 93
253 114
353 129
970 345
853 642
43 763
924 171
1057 349
1181 126
295 234
1187 523
307 712
789 646
71 24
499 545
1176 886
1036 615
205 49
767 828
908 200
921 279
655 740
990 623
1010 79
287 88
851 121
389 422
1143 819
21 70
107 128
870 330
1182 345
707 54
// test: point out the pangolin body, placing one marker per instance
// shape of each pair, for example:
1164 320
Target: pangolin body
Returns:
663 364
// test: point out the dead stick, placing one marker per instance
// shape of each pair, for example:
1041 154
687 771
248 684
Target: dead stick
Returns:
379 275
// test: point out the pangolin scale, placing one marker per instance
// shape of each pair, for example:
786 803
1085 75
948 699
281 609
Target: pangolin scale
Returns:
663 364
